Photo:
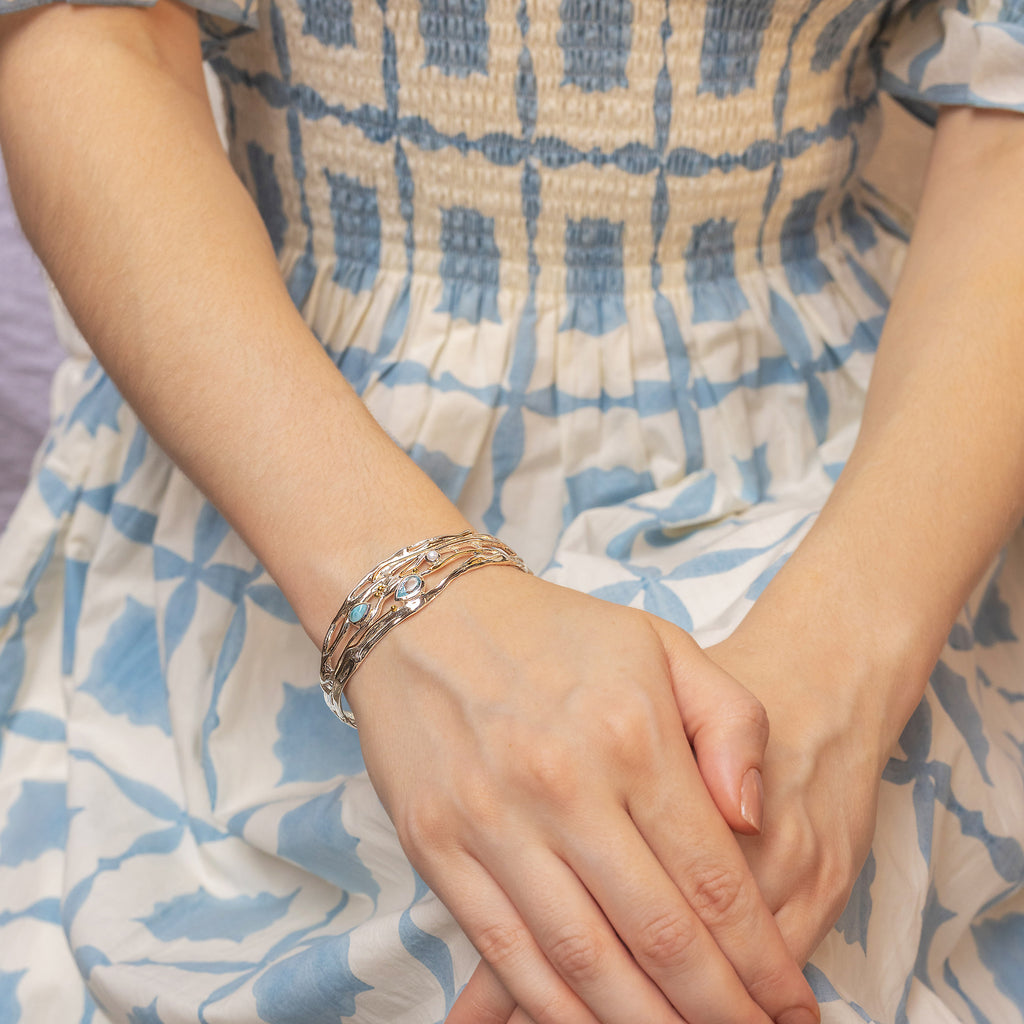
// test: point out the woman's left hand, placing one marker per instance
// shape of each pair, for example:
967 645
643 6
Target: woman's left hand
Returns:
830 740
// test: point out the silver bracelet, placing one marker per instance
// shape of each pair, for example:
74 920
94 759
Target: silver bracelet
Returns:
397 588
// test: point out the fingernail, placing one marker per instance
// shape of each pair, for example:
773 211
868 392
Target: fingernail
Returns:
798 1015
752 806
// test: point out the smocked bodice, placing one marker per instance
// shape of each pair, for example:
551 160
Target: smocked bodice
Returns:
557 145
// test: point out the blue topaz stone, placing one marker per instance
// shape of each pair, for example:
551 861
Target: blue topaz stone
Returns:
409 587
358 613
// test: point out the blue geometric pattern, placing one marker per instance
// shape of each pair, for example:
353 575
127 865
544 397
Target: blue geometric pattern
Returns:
36 822
330 21
455 34
807 274
710 272
268 193
356 232
470 265
837 33
691 286
201 915
595 37
733 33
126 676
594 284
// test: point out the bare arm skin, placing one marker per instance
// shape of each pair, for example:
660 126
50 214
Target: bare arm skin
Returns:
562 861
167 268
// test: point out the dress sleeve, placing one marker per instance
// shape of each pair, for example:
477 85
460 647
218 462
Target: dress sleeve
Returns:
219 18
954 52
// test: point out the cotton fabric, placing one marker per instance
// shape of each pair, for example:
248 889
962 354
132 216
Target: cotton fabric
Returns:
610 273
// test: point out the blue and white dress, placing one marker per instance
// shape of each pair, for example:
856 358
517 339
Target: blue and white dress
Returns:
609 271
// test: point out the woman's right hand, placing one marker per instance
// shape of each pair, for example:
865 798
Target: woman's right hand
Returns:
535 749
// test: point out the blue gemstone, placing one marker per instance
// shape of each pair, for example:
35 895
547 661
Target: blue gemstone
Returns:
358 613
409 587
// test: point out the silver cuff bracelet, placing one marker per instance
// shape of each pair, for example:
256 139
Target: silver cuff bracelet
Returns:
397 588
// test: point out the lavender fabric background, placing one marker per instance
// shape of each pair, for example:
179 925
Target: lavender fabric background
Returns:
28 355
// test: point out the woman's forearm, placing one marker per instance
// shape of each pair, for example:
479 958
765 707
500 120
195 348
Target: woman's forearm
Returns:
125 191
935 482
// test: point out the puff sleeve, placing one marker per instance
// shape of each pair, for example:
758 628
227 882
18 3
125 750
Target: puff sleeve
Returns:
219 18
954 52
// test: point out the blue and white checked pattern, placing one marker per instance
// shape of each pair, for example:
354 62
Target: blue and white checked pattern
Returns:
607 269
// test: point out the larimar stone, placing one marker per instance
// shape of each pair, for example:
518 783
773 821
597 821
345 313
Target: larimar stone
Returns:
409 587
358 613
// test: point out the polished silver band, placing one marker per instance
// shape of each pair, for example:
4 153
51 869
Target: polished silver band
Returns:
397 588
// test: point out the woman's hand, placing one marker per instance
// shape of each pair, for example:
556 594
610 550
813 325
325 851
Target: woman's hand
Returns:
533 748
822 769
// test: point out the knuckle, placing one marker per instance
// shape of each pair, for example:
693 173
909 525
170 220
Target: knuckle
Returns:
629 729
501 944
798 845
479 802
832 877
555 1010
757 716
716 892
746 712
426 826
578 955
481 1008
682 639
666 941
770 983
548 770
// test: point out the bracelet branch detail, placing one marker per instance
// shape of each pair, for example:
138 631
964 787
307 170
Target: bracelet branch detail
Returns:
398 587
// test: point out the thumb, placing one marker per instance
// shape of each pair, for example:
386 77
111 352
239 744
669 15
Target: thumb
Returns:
727 726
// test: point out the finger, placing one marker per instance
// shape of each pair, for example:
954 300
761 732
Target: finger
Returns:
661 929
497 930
484 1000
575 935
727 727
520 1018
694 845
803 912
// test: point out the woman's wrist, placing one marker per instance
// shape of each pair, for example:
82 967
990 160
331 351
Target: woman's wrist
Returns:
399 586
849 648
321 576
